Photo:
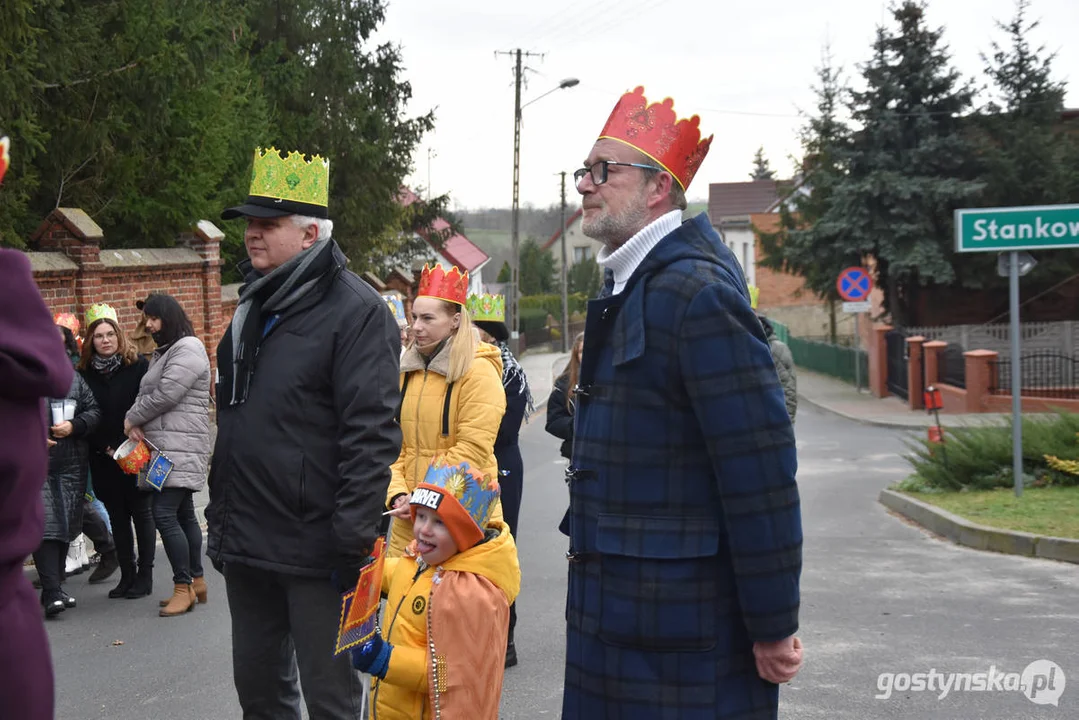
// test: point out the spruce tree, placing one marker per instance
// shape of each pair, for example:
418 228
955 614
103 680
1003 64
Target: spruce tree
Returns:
909 165
794 247
761 169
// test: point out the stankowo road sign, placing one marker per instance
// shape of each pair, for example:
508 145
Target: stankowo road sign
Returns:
1046 227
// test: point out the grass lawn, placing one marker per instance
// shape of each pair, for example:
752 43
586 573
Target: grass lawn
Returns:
1042 511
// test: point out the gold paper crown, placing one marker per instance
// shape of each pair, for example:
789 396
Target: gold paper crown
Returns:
100 311
487 307
291 178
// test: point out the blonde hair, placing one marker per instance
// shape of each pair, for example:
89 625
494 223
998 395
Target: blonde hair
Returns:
573 370
466 338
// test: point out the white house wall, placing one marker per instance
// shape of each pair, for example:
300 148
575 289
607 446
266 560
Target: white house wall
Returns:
742 242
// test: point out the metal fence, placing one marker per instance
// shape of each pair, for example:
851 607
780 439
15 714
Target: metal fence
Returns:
834 360
1042 374
953 367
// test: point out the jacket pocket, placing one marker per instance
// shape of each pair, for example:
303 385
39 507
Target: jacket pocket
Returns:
659 582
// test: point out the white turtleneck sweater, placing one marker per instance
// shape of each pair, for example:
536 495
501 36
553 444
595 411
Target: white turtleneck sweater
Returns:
625 259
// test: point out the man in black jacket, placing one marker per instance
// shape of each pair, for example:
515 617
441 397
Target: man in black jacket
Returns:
306 395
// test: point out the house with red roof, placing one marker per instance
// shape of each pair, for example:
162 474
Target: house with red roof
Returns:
451 249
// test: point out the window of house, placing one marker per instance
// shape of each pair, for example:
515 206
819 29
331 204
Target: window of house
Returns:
580 254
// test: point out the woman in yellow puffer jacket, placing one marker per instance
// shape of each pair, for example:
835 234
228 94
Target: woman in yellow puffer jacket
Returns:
452 396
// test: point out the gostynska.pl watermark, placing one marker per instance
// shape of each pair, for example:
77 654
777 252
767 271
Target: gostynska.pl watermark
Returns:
1042 682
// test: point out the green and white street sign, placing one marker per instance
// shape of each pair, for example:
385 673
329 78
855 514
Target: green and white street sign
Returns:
1046 227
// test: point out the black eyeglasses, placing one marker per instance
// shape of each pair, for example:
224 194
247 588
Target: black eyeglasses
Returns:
598 171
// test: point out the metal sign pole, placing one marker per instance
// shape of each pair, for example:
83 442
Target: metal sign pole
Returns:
1017 376
857 354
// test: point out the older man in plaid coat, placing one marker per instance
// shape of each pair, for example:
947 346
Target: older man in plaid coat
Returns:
684 521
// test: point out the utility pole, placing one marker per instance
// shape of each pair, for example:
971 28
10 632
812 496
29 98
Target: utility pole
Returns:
565 272
515 288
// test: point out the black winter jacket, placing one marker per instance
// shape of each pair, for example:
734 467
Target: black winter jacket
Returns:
559 418
115 394
66 485
300 470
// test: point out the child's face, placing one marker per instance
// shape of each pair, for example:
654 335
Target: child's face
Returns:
433 539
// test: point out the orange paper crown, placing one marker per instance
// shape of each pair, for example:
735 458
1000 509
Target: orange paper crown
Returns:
451 286
656 131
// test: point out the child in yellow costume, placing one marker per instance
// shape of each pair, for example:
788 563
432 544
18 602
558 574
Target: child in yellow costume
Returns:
447 609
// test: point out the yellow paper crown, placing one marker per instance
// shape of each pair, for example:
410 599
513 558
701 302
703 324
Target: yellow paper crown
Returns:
100 311
291 178
754 296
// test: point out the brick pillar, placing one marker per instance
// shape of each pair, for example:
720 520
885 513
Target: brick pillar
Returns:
980 368
72 232
933 351
915 379
878 361
206 241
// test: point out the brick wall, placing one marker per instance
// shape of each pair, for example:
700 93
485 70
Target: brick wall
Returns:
73 272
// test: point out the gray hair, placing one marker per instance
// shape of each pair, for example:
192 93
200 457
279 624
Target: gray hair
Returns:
325 227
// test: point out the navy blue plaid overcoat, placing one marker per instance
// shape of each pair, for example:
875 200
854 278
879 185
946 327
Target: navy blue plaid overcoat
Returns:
684 522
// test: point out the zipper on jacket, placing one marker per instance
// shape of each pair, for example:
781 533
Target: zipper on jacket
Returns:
419 400
303 489
419 571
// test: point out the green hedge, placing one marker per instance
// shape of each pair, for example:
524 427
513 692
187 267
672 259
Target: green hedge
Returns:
980 458
531 319
577 302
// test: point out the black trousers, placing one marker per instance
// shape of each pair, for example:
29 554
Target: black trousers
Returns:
128 506
49 560
283 632
511 481
174 515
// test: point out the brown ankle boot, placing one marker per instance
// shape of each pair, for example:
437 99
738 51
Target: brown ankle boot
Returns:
182 600
198 585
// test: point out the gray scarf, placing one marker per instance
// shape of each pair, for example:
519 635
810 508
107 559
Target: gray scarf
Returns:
268 295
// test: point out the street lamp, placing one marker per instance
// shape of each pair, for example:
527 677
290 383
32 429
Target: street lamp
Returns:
515 281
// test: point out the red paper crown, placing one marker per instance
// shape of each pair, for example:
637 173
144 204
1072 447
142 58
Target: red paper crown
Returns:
656 131
451 286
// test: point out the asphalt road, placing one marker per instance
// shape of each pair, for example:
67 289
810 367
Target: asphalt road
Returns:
879 596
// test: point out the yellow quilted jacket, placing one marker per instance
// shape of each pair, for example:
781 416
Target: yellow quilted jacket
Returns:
471 420
461 610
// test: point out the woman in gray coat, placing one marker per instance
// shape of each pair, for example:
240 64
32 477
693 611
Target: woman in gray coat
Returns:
172 413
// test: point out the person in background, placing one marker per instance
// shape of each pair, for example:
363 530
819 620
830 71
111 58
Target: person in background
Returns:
452 399
781 356
113 370
393 302
172 412
560 405
33 367
488 313
72 418
141 339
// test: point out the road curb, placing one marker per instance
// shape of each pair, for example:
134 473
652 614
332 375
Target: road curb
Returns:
963 532
858 419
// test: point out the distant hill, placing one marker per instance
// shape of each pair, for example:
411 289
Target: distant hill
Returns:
491 228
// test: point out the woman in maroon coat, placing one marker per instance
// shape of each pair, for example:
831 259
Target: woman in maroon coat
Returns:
33 366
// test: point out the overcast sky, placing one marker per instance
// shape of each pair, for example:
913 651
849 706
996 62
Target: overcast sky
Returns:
745 67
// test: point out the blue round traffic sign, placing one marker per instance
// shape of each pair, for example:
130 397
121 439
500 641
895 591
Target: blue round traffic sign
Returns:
854 284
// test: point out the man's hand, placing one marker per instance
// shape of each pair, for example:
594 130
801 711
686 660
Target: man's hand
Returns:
49 442
401 508
778 662
62 430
